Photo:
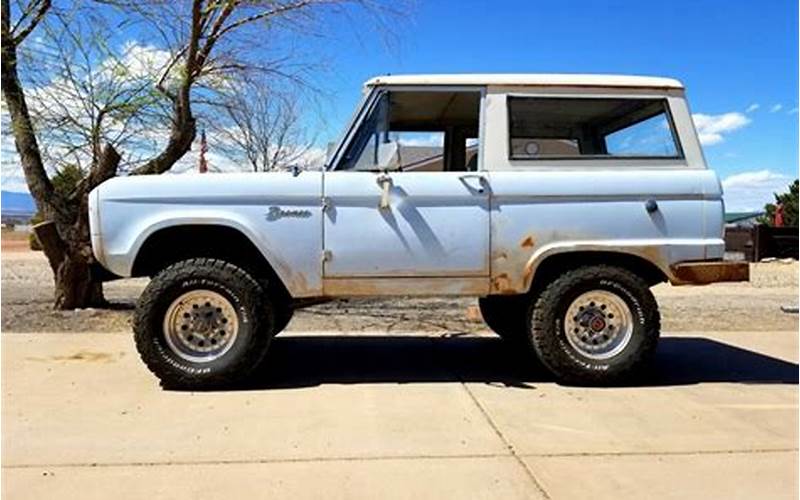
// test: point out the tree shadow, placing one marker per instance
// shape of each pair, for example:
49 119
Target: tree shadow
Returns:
308 361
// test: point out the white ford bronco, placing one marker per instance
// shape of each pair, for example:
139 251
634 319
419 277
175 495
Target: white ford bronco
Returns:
556 200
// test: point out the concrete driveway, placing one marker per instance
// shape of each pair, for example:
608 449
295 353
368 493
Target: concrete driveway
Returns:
400 417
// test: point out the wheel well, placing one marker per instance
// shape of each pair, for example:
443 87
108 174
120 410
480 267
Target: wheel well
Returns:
173 244
556 264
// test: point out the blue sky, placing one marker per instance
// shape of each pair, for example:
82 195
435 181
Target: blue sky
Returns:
738 60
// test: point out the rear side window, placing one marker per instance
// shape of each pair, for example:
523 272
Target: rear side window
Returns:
574 128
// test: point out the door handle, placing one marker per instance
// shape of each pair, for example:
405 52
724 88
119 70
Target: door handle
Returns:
471 177
385 182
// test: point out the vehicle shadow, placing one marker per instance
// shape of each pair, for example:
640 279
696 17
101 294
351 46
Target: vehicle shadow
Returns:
308 361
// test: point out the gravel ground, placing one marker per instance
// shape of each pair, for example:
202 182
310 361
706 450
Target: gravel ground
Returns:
27 293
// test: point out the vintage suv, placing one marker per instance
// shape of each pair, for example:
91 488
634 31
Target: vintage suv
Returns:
557 200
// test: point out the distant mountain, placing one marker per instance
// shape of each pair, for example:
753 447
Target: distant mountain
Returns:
16 207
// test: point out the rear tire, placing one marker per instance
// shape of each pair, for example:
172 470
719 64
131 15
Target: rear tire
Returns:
203 324
595 325
506 315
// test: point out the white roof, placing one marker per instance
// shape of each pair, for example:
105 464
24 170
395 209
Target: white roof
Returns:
532 79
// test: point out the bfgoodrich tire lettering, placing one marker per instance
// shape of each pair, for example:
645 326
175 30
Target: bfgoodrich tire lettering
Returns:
548 316
254 317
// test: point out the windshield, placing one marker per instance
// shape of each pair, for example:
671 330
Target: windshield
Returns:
353 119
366 149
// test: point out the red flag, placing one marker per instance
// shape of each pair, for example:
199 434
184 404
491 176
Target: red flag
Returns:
203 166
778 222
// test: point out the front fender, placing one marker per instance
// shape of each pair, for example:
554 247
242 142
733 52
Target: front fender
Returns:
300 275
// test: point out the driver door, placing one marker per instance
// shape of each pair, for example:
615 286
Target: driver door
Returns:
381 222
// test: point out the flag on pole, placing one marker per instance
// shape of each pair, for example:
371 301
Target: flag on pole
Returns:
203 166
778 221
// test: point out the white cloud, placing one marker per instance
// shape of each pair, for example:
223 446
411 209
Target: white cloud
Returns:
712 128
792 111
750 191
432 139
752 107
11 177
221 159
775 108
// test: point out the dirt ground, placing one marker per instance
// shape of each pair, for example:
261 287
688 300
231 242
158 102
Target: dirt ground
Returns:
27 293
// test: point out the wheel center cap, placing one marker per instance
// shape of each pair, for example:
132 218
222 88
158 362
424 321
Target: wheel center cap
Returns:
597 324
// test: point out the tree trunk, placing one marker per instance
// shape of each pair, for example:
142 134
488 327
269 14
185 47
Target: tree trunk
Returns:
76 286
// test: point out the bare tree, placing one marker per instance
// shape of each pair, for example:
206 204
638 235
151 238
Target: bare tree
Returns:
83 95
262 126
209 42
81 104
67 251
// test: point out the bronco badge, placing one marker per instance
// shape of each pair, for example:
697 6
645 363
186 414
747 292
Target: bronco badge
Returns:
276 213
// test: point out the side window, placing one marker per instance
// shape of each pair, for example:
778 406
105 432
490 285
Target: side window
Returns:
650 137
574 128
424 131
418 151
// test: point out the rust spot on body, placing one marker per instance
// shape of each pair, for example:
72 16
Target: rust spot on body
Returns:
652 253
397 286
701 273
528 242
502 285
528 272
499 255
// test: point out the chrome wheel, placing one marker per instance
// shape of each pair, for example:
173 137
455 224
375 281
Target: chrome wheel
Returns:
201 326
598 324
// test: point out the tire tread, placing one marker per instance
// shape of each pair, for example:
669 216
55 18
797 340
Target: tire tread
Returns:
201 268
542 315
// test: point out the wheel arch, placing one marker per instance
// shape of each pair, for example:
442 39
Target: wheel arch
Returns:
545 269
171 244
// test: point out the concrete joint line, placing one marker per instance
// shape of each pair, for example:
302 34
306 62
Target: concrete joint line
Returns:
505 441
655 453
178 463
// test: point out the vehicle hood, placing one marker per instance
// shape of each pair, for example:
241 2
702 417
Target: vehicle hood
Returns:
211 188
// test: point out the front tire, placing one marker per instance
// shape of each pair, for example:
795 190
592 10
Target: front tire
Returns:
203 324
595 325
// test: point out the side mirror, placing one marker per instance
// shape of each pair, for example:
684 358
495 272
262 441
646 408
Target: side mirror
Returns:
330 148
388 157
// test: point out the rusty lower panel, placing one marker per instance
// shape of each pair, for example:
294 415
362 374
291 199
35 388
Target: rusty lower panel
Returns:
375 287
700 273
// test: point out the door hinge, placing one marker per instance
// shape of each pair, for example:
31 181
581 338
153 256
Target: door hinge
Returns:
326 255
326 203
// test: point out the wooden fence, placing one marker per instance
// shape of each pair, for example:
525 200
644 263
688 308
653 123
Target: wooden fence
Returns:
760 241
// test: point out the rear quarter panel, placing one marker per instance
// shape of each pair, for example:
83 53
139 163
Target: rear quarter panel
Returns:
536 214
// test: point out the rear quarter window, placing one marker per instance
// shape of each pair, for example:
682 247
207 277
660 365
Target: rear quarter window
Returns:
590 128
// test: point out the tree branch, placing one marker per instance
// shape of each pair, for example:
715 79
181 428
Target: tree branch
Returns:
41 10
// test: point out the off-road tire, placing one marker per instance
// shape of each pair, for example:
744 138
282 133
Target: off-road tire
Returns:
254 311
548 337
506 316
